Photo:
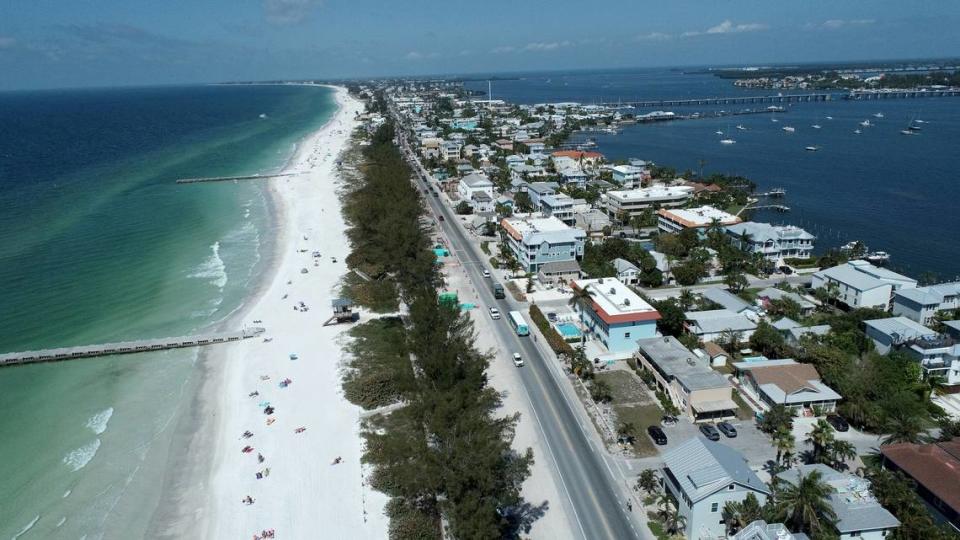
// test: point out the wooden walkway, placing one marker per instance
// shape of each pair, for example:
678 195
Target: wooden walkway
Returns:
125 347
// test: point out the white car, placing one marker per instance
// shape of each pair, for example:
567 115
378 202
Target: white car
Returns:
517 360
494 313
486 274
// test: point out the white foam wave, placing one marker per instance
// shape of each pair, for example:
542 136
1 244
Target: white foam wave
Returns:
98 422
67 493
61 522
78 458
29 526
213 268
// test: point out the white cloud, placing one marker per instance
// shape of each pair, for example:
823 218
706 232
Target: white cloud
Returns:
288 11
503 49
727 27
546 46
653 36
7 42
415 55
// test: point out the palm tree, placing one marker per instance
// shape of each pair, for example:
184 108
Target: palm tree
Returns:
626 431
669 514
805 507
581 298
738 515
785 443
686 299
904 428
647 481
821 437
841 452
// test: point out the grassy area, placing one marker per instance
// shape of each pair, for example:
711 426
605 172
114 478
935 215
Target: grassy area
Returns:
656 528
625 387
640 416
515 291
485 247
744 411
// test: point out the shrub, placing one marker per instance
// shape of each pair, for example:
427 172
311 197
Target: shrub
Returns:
554 339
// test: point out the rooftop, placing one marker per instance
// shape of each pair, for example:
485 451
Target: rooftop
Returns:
653 193
787 381
698 217
935 466
536 229
476 180
763 232
854 504
678 362
718 320
726 299
702 467
900 328
614 302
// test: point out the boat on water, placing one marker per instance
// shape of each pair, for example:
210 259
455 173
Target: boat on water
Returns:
774 120
815 126
741 128
857 131
908 131
727 141
866 123
877 257
829 118
878 115
789 129
812 148
718 132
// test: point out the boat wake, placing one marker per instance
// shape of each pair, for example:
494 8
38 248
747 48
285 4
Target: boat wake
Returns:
213 268
78 458
98 422
29 526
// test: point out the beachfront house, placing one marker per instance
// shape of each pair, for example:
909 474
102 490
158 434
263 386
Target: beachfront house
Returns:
786 382
628 174
717 324
859 515
921 304
859 284
703 476
694 388
624 204
678 219
536 241
773 242
615 315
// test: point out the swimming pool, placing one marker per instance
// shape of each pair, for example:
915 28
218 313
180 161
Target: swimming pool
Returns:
569 331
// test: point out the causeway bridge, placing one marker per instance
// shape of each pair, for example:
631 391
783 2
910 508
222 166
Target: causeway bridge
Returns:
854 95
861 95
126 347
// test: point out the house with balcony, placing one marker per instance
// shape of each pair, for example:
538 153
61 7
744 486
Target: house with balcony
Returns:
450 150
859 284
628 174
786 382
703 476
774 242
625 204
472 184
562 207
921 304
694 388
859 515
536 241
615 315
677 219
937 354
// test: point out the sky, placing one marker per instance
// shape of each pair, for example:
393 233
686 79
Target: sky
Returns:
78 43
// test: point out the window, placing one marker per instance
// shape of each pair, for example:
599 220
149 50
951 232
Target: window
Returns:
626 335
714 507
731 487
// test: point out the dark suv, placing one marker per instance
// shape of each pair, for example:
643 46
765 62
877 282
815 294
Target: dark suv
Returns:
710 432
838 422
727 429
657 435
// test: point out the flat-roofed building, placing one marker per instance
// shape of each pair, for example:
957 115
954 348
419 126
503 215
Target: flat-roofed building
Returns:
676 220
616 315
623 205
786 382
696 389
536 241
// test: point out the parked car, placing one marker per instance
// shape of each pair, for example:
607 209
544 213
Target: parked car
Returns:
838 422
486 274
657 434
440 218
494 313
710 432
727 429
668 420
786 270
517 360
551 316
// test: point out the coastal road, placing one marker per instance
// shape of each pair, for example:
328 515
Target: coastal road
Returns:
597 504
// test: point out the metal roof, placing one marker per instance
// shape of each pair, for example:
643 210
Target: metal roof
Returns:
900 327
726 299
678 362
703 467
717 320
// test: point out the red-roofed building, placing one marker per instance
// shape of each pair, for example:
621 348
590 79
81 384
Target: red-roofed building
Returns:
577 155
935 468
616 315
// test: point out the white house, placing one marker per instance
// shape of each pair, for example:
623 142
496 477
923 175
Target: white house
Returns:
938 355
712 324
859 515
774 242
537 241
629 203
472 184
627 272
703 476
450 150
921 304
678 219
860 284
627 174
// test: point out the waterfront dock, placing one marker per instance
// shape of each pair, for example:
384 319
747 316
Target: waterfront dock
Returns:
229 178
125 347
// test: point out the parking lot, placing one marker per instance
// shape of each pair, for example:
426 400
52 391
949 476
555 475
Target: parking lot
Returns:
750 441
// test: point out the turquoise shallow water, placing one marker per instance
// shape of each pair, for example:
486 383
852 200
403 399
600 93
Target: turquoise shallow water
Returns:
98 244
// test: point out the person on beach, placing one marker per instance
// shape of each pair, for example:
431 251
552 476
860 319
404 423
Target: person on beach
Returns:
248 500
337 461
260 458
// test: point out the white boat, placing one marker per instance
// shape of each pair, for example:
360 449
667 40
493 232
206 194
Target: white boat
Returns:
815 126
718 132
877 257
741 128
727 141
857 131
878 115
789 129
812 148
908 131
829 118
866 123
774 120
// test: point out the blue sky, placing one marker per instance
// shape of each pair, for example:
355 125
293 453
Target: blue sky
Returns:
67 43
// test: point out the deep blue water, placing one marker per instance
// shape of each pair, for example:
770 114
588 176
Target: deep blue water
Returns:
896 193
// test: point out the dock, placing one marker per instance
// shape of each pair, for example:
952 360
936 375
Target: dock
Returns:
125 347
230 178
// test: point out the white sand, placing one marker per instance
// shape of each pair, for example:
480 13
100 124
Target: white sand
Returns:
304 496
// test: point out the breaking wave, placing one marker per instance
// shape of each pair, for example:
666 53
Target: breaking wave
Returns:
213 268
98 422
78 458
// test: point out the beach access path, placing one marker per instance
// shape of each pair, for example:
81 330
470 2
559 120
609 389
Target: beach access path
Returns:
303 495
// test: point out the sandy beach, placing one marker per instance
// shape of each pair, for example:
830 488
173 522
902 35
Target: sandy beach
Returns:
296 489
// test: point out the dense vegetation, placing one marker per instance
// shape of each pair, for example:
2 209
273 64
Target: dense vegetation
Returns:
421 454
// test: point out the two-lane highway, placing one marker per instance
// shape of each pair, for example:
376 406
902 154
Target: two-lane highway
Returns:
598 508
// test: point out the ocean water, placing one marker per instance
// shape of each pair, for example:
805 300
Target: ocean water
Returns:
894 192
97 243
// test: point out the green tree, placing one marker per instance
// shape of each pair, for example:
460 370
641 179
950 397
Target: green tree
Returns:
736 281
804 506
463 208
821 437
522 202
647 481
785 444
777 417
739 514
672 318
767 340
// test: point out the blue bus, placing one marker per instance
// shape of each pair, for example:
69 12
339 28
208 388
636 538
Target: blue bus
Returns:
519 325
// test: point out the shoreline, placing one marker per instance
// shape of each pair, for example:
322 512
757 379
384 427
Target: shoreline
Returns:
196 480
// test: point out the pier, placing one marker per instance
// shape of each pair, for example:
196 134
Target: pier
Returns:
229 178
125 347
863 95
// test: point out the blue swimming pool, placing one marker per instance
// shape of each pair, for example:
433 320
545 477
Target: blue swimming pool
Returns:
568 330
